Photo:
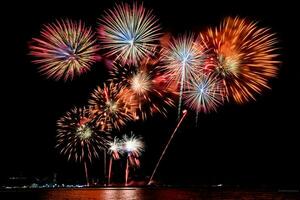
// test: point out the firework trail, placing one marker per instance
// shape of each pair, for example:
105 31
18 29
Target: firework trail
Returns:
148 84
113 106
245 57
79 138
184 113
65 48
129 32
183 58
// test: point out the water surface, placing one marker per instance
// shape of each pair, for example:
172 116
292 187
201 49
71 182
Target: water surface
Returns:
149 193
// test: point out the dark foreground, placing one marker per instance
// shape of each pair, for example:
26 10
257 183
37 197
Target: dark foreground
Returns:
149 193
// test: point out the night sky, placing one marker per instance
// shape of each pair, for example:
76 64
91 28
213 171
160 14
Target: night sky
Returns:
255 143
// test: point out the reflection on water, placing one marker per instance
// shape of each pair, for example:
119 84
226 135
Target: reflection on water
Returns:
93 194
148 193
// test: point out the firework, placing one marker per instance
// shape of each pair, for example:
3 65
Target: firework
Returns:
79 138
134 147
129 32
183 58
204 93
148 84
113 106
245 57
65 48
114 150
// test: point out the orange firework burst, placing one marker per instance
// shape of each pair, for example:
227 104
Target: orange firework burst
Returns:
148 85
113 105
244 55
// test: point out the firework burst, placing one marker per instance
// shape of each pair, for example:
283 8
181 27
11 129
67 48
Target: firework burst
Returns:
245 57
115 148
204 94
113 106
183 58
129 32
65 48
78 137
148 85
133 145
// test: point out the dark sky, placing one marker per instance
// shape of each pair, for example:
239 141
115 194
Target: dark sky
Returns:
255 143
